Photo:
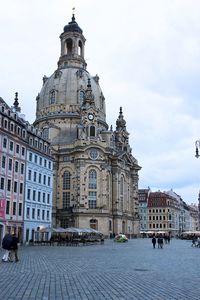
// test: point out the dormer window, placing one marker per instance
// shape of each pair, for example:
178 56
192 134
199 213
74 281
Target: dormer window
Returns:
81 96
52 97
46 133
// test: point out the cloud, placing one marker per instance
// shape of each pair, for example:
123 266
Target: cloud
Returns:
147 55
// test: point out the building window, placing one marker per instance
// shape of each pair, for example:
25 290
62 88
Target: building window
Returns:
11 146
36 159
2 183
94 224
3 162
40 178
121 193
46 133
30 156
66 180
92 131
22 169
5 123
9 185
49 181
34 195
81 97
33 213
15 187
10 164
92 185
64 223
44 179
16 166
66 199
50 165
7 207
29 174
48 198
4 143
20 210
92 199
38 214
43 214
47 215
35 176
40 161
14 208
92 179
52 97
29 194
21 188
39 196
28 212
17 149
43 197
23 151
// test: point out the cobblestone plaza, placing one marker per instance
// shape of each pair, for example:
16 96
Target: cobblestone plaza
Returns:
132 270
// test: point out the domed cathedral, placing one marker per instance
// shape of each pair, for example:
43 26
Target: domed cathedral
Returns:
95 174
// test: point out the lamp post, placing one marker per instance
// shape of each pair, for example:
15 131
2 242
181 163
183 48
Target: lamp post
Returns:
197 145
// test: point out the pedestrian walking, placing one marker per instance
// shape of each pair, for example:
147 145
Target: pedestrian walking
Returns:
160 242
154 241
14 248
6 245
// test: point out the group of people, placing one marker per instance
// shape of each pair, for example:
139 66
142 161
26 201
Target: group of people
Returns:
160 241
196 242
10 245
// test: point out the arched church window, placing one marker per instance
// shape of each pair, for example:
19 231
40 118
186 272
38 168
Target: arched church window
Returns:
69 46
92 131
80 48
92 189
66 189
66 180
52 97
92 179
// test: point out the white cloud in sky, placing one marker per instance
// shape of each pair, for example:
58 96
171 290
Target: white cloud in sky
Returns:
147 55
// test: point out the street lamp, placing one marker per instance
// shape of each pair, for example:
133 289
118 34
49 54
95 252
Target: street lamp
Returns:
197 144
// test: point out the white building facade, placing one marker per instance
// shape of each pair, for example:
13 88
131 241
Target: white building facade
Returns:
38 189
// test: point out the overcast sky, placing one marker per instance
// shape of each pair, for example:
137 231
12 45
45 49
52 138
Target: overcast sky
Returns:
147 55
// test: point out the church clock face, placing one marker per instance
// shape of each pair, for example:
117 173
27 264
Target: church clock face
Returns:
90 116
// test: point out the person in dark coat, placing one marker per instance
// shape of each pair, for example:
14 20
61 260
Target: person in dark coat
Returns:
154 241
14 248
6 245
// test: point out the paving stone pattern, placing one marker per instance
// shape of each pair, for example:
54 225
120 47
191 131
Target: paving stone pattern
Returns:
132 270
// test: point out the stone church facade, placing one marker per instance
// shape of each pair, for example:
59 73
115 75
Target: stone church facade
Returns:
95 173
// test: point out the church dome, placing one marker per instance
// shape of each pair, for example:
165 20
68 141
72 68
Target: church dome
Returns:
73 26
63 93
